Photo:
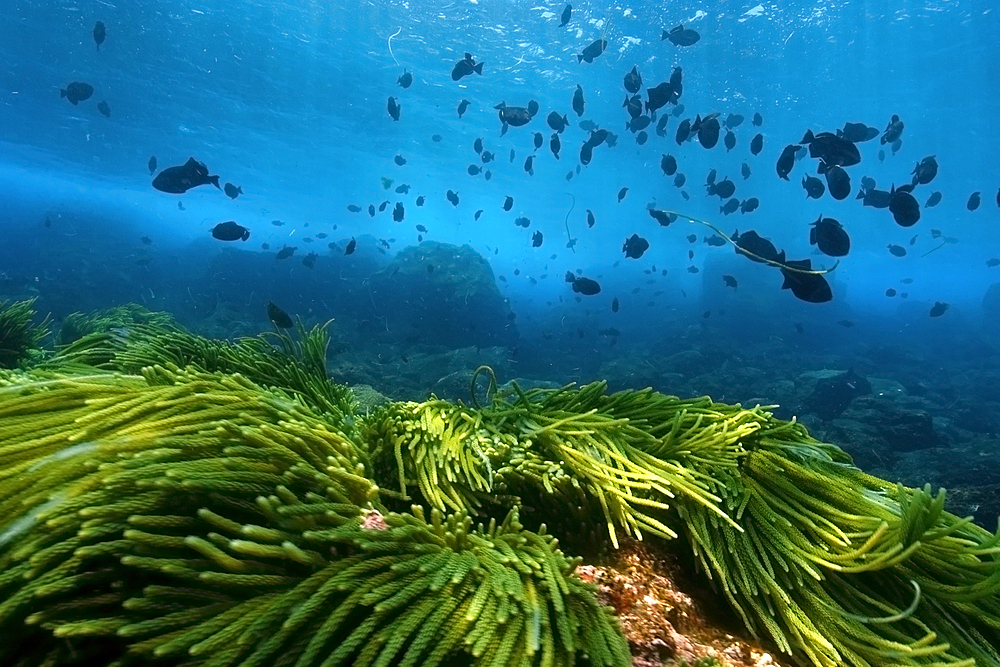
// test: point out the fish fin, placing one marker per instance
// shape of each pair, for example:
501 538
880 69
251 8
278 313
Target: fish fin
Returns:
214 180
478 69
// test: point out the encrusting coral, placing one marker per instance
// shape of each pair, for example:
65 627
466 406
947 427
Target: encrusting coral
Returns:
172 500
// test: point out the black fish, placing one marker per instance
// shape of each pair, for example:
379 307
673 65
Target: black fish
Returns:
745 171
487 157
635 246
730 281
398 212
516 116
465 67
757 247
309 261
77 92
103 107
680 180
595 49
724 189
729 140
232 191
708 131
813 186
661 125
557 122
278 317
749 205
99 34
578 103
681 36
641 138
477 145
973 202
508 203
633 81
662 217
904 208
421 228
151 164
938 309
758 120
896 250
614 305
715 240
857 132
399 160
566 14
838 182
555 144
935 199
665 92
452 197
230 231
403 189
538 140
478 213
351 245
733 121
925 171
381 207
405 79
638 123
586 153
591 221
371 210
893 131
829 236
621 194
178 180
522 222
462 106
668 163
730 206
529 165
683 132
757 144
633 105
831 149
584 286
393 107
810 287
875 198
787 160
474 169
436 138
420 200
536 239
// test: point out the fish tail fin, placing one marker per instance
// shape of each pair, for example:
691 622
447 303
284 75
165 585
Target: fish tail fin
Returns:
808 138
240 189
478 69
214 180
62 93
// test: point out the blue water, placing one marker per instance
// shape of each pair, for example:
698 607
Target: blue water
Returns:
288 100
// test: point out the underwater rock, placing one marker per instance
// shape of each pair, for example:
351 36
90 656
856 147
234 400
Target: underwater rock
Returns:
832 394
440 294
907 430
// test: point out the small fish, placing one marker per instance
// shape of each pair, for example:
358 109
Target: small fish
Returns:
633 81
591 220
178 180
230 231
661 125
621 194
578 102
925 171
522 222
556 122
474 169
890 292
528 164
536 239
893 131
538 140
232 191
462 106
436 138
729 281
508 203
896 250
452 197
103 107
829 236
904 208
278 317
881 156
555 145
478 213
715 240
99 33
595 49
477 145
393 107
77 92
757 144
973 202
381 207
151 164
351 246
371 210
567 13
847 324
309 261
400 161
662 217
465 67
398 212
992 262
668 164
838 182
321 235
680 180
285 252
809 287
421 228
692 269
582 285
405 79
758 120
635 246
420 200
146 240
614 305
745 171
403 189
813 186
787 160
180 206
938 309
729 141
733 121
681 36
692 238
934 199
354 208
